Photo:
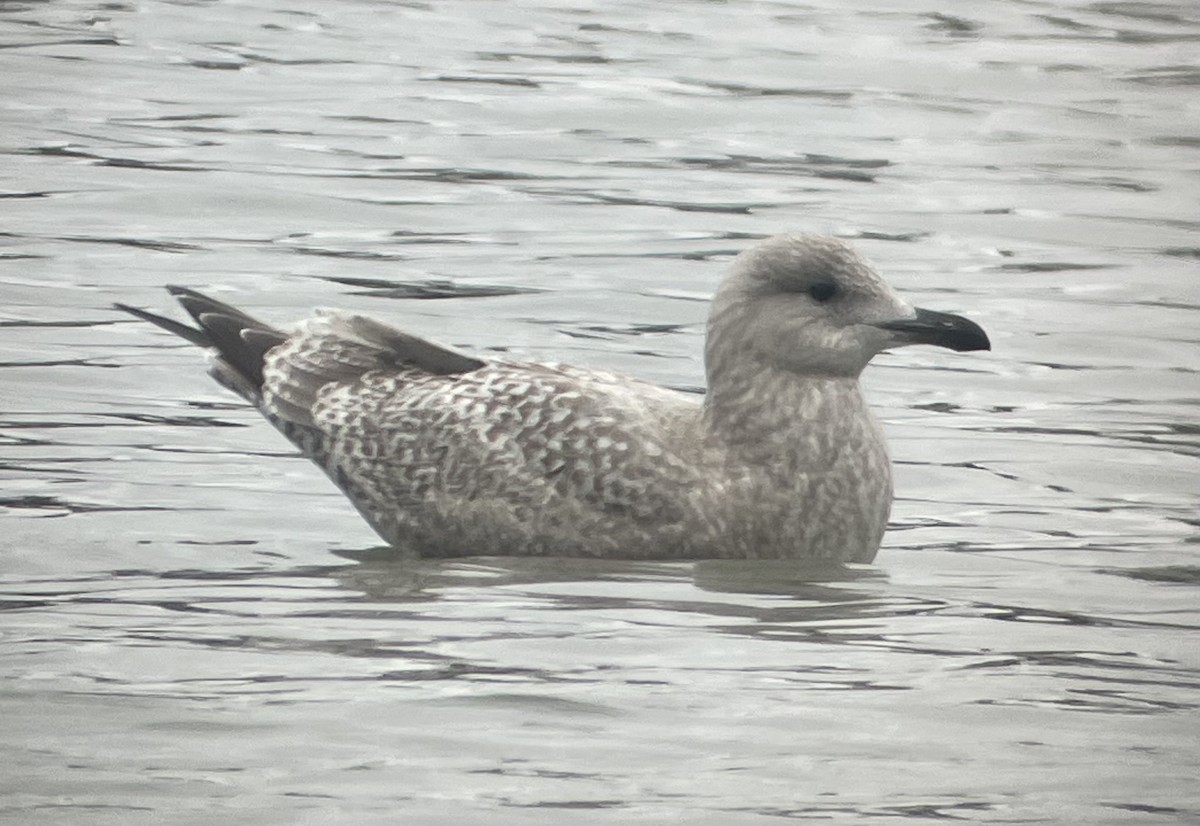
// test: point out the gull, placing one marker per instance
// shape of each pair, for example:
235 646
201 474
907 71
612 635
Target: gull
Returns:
447 454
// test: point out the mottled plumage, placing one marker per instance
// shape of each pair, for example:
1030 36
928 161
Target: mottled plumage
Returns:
450 455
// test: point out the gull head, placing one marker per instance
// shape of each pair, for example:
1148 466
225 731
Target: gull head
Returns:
811 305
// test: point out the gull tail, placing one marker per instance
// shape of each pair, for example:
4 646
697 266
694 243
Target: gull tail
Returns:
239 341
289 376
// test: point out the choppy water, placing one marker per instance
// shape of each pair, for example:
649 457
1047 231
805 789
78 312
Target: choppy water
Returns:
196 629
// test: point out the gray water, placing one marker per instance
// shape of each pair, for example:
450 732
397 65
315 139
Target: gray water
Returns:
199 629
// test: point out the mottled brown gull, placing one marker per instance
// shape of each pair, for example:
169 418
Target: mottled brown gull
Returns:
446 454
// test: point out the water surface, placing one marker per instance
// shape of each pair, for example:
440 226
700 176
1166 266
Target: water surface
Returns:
197 626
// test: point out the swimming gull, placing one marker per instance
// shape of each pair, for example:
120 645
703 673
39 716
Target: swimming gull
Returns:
447 454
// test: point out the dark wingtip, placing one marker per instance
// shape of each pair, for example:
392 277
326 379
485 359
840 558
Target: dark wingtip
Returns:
195 336
240 340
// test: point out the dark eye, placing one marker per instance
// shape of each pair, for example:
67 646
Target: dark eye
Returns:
822 291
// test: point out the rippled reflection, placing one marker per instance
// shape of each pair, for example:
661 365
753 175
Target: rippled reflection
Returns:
194 622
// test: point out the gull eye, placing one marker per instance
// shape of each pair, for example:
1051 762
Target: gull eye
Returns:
822 291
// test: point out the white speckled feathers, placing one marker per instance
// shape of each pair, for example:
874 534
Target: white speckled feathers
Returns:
471 458
446 454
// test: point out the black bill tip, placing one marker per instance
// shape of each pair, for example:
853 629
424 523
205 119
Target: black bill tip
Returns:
939 329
